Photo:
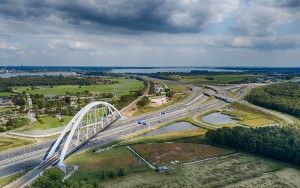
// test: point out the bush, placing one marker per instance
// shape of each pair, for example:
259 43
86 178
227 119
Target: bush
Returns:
121 172
143 102
16 122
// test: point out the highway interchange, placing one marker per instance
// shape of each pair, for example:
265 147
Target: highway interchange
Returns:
195 103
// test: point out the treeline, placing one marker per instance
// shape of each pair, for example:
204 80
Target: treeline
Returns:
7 83
53 178
283 97
13 123
127 99
280 143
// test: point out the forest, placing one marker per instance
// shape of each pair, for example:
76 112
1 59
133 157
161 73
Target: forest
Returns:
281 143
283 97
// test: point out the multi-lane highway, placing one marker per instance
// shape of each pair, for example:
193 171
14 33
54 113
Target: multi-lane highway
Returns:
122 128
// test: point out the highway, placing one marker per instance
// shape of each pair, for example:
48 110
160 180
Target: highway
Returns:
122 128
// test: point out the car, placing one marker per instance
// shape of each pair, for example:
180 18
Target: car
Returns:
144 123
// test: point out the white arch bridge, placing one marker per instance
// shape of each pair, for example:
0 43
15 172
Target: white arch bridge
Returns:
86 124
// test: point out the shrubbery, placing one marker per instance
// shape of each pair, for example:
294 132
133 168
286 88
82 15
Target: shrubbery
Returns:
14 123
143 102
53 177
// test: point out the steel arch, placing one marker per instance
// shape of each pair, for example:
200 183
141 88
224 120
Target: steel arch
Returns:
71 128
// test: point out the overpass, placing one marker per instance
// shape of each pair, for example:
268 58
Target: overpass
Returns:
85 125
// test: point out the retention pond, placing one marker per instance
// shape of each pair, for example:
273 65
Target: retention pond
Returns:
217 118
180 126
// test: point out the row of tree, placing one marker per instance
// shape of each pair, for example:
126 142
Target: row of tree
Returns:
283 97
282 143
7 83
53 178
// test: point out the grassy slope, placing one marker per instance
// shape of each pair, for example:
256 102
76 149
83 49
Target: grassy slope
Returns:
249 117
5 94
123 87
246 116
8 179
48 122
9 143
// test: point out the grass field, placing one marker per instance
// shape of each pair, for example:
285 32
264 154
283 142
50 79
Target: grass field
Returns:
4 109
7 143
91 164
216 172
213 79
166 137
181 92
245 116
167 153
124 86
48 122
9 179
248 116
5 94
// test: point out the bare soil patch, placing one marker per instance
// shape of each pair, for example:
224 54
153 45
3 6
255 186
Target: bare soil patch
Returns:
173 153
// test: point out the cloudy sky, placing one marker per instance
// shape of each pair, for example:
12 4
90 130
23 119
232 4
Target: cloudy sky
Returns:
150 32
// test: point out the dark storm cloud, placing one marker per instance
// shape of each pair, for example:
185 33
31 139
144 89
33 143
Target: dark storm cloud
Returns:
114 30
148 15
288 3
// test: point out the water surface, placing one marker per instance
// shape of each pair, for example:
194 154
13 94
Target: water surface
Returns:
217 118
180 126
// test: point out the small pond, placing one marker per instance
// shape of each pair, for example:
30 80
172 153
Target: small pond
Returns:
217 118
180 126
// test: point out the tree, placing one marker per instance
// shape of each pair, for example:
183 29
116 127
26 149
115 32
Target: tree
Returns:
143 102
282 143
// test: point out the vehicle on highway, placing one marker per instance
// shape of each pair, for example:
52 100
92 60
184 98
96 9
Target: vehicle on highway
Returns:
142 122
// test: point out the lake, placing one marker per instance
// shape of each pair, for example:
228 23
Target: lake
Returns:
217 118
170 69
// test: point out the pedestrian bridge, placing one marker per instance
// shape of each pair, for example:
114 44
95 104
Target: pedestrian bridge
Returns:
86 124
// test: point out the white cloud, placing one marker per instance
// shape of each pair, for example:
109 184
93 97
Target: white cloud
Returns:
10 46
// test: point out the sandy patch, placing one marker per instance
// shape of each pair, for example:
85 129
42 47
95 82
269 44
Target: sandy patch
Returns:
157 101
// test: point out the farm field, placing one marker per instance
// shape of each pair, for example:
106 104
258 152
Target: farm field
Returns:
287 177
48 122
168 153
124 86
181 92
92 164
9 143
216 172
